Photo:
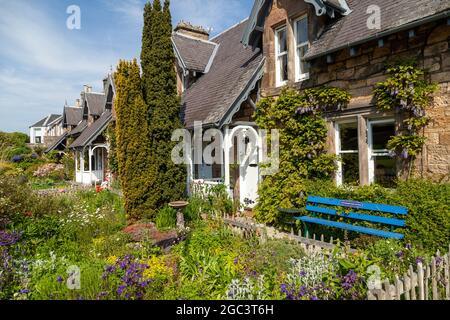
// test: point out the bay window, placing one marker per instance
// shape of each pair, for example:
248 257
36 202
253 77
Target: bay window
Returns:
281 55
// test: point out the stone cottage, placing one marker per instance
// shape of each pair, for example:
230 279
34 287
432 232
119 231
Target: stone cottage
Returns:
347 44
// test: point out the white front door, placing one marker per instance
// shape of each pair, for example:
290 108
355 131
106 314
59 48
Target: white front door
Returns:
248 168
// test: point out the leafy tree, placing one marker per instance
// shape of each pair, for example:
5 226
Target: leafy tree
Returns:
132 135
160 91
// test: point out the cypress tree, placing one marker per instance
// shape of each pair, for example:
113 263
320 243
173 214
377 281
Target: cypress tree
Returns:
159 78
132 135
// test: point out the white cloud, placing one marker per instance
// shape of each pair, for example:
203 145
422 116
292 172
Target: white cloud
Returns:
30 38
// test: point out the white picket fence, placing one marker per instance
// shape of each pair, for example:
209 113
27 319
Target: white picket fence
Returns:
424 282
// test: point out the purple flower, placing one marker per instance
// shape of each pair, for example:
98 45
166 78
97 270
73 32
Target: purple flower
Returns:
8 239
59 279
314 298
400 254
349 281
24 291
302 273
405 154
408 246
419 260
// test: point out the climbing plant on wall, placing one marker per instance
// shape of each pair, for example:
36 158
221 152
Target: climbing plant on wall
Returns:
407 91
303 133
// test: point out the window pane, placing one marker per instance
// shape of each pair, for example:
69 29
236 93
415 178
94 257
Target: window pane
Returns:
385 171
282 42
350 168
301 51
349 136
381 134
283 65
302 31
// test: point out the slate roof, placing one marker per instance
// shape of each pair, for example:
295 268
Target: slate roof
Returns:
93 131
55 145
96 103
78 129
72 115
352 29
212 96
48 120
195 54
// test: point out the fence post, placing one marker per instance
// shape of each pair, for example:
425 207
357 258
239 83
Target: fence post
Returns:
447 276
413 285
420 279
434 279
427 278
406 286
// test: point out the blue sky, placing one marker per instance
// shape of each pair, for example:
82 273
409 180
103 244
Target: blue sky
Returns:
43 63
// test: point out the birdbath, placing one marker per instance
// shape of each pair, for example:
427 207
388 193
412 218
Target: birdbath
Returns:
179 206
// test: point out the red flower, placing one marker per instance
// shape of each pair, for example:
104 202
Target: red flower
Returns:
29 214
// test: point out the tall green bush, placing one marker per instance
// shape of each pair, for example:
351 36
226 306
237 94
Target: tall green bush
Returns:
133 149
168 180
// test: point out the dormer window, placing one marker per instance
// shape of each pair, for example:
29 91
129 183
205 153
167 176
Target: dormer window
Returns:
302 46
281 54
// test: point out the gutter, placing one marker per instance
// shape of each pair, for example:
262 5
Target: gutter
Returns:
382 34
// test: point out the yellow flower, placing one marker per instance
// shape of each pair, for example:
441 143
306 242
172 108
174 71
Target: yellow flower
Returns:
111 260
157 269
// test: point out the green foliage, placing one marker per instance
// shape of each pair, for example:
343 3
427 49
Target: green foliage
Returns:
406 90
167 179
303 135
133 149
12 144
166 218
409 145
113 164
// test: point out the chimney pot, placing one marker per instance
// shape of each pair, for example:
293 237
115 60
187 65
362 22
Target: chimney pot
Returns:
78 103
188 29
87 88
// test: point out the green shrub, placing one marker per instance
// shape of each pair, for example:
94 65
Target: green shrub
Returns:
166 218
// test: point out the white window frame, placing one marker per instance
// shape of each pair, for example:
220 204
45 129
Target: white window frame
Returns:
300 76
372 154
339 151
279 55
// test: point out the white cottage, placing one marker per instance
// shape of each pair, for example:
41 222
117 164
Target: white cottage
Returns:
89 143
218 80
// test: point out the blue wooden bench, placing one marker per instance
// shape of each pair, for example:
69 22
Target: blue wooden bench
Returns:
318 206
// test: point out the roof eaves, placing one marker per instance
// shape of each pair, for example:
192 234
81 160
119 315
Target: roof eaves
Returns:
257 75
179 57
412 24
94 134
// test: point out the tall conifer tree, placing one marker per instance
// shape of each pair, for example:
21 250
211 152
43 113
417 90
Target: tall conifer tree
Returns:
160 87
132 139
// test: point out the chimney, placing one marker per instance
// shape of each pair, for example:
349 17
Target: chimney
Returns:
87 88
190 30
78 103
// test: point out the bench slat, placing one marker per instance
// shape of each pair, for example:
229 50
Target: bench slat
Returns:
357 216
345 226
359 205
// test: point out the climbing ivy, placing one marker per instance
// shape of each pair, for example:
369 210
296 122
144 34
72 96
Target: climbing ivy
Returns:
406 90
303 133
